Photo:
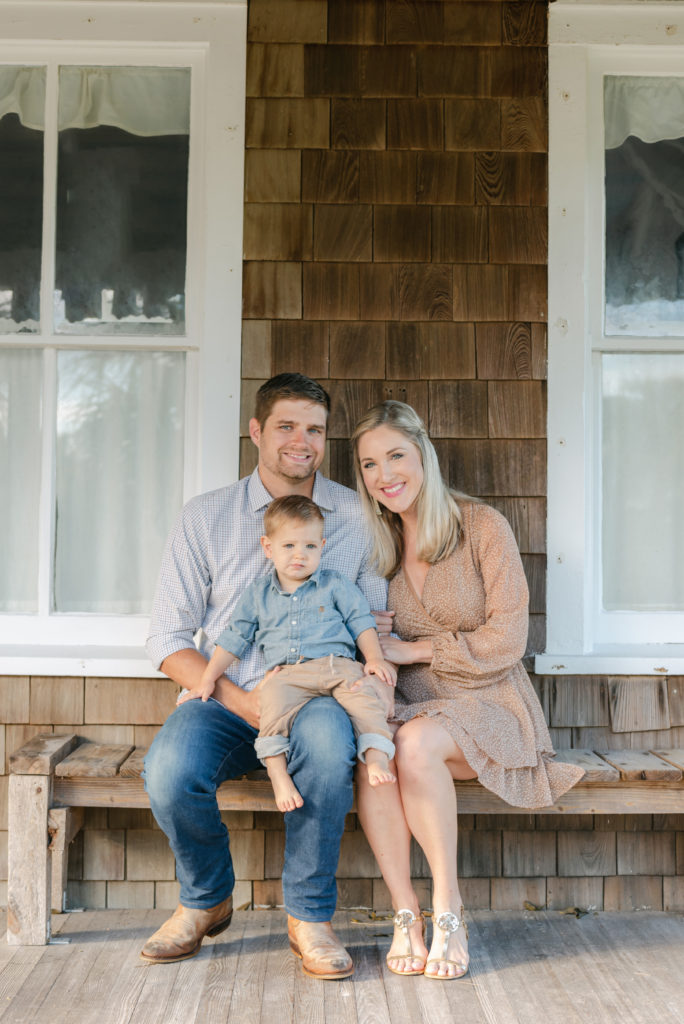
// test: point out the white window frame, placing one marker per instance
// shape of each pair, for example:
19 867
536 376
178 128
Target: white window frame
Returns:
210 38
587 40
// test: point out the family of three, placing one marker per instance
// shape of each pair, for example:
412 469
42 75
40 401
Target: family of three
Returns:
279 579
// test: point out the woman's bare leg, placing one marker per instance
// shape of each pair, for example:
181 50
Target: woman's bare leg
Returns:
428 761
381 814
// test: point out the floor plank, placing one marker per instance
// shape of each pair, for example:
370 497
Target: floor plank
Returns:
526 968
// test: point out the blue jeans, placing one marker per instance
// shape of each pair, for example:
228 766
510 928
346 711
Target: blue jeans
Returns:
203 744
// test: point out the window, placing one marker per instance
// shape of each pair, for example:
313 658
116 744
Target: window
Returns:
616 341
120 258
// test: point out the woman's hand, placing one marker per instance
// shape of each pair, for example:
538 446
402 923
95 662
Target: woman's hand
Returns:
406 652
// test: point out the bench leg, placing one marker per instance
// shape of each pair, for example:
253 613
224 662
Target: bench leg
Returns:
28 888
63 824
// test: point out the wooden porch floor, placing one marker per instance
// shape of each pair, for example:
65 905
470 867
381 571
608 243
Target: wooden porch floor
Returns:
541 968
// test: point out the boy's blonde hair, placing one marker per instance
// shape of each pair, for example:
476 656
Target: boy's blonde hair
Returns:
439 517
292 508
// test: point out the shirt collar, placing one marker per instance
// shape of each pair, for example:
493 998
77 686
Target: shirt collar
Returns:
313 578
259 497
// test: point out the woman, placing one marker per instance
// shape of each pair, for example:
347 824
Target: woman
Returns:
468 709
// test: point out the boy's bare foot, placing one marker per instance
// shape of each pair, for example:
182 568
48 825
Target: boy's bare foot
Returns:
378 768
287 796
377 775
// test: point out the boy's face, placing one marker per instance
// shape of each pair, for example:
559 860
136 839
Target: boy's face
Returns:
295 549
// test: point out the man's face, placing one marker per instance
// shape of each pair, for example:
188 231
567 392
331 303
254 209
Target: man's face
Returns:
292 441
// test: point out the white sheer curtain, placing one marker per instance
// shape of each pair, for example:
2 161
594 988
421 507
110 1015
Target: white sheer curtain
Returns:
120 420
649 107
142 101
20 450
22 92
643 481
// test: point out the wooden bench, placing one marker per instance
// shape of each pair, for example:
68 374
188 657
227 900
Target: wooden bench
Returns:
52 778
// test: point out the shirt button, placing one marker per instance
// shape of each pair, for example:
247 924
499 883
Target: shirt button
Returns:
294 598
294 622
292 650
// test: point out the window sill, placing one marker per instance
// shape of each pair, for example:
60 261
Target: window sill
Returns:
646 660
102 662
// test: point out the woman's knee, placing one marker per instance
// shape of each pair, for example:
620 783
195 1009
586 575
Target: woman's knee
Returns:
416 749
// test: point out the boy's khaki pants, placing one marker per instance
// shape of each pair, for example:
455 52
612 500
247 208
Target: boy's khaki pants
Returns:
368 703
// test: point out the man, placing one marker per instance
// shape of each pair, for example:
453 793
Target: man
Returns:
212 554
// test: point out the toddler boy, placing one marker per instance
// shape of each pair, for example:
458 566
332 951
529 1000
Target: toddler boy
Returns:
308 621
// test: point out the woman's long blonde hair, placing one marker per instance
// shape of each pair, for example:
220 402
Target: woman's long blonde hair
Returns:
439 516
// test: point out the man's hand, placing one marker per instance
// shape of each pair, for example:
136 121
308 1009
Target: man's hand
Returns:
383 622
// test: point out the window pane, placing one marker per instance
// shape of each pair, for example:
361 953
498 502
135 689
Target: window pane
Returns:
643 482
644 129
122 200
20 450
22 102
120 419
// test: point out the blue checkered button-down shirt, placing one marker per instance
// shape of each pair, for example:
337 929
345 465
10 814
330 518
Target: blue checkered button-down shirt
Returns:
213 553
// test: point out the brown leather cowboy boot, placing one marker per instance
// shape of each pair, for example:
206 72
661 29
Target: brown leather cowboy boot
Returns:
321 952
181 936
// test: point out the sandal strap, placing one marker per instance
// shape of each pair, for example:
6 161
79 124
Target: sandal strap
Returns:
404 919
449 923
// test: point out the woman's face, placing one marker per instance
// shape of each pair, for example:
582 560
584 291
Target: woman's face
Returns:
391 467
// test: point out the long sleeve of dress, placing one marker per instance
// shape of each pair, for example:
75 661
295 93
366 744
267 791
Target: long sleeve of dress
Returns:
486 654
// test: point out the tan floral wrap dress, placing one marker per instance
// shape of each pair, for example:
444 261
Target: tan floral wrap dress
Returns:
474 609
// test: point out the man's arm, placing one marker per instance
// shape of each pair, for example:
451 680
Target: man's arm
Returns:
186 668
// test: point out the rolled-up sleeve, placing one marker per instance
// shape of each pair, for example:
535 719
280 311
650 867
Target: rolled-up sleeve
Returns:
238 636
183 588
353 607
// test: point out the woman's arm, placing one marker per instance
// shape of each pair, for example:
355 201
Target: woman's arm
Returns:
486 654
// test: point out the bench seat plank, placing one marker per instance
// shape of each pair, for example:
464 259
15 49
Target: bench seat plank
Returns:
100 760
675 757
41 753
596 769
236 795
133 765
641 764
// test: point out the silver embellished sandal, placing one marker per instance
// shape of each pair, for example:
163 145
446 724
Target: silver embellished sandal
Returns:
405 919
449 923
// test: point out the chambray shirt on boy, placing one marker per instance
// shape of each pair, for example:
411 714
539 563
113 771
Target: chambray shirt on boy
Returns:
323 616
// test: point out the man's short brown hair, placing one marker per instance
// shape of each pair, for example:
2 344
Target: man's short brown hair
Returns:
288 385
291 508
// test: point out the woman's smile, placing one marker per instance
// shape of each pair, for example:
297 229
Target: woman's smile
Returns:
392 468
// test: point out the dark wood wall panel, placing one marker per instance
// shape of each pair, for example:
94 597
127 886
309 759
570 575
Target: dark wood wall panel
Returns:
415 124
358 124
414 21
273 176
387 178
343 233
357 350
427 351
